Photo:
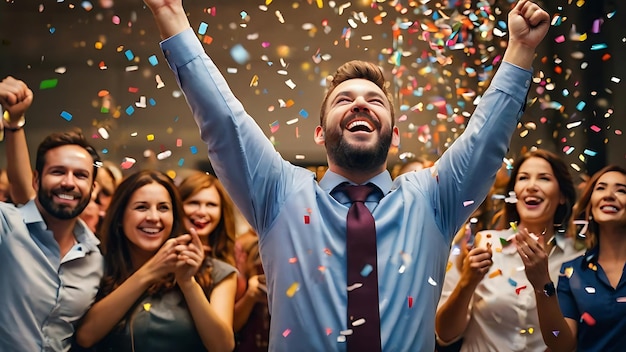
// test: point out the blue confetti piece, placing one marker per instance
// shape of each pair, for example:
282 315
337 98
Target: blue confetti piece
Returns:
181 162
153 60
129 54
52 30
590 152
304 113
66 115
512 282
105 151
130 110
580 106
239 54
193 149
203 28
152 102
599 46
367 269
175 118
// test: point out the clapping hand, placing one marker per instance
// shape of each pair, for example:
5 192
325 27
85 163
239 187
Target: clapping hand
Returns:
162 263
534 257
190 256
476 262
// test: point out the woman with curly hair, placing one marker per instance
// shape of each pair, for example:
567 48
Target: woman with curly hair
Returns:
159 291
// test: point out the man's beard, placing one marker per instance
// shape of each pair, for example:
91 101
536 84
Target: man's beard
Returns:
60 212
359 159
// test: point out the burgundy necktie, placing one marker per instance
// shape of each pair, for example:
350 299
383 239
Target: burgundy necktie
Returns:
363 315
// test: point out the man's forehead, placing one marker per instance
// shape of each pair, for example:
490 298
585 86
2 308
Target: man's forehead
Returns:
62 155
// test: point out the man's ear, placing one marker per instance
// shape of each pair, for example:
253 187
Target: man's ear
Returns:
395 137
319 136
36 181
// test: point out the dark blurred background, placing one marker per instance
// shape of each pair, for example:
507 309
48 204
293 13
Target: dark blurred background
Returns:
97 65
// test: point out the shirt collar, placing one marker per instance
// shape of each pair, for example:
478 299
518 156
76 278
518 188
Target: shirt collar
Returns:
590 258
331 180
83 234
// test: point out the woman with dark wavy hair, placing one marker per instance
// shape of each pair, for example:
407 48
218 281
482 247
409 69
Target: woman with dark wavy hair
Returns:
159 292
589 313
487 299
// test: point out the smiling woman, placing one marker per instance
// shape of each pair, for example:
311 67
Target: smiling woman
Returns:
159 291
484 283
589 313
211 212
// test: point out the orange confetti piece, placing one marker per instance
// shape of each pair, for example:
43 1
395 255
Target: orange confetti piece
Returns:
495 273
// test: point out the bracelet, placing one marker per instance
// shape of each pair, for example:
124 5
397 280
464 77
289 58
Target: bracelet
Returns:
13 129
18 126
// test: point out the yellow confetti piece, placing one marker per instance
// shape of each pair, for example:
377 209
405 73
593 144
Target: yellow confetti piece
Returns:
147 306
449 266
293 289
150 137
569 271
513 226
255 81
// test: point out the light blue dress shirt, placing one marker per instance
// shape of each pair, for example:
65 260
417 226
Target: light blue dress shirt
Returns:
302 227
43 295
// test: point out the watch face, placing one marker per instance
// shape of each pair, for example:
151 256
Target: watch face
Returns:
549 289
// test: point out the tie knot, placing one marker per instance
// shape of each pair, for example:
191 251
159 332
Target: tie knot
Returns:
357 193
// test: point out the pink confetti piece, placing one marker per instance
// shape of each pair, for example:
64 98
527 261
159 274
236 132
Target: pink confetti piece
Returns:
286 332
595 128
560 39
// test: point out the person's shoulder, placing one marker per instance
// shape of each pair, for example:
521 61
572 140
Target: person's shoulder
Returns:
9 210
221 265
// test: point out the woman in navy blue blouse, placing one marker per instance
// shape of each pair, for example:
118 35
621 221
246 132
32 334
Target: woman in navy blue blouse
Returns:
589 314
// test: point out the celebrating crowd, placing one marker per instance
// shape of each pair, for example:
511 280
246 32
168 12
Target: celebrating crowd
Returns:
95 260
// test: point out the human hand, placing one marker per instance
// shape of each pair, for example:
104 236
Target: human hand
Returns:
15 98
476 265
162 263
190 256
534 257
169 15
257 288
528 24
